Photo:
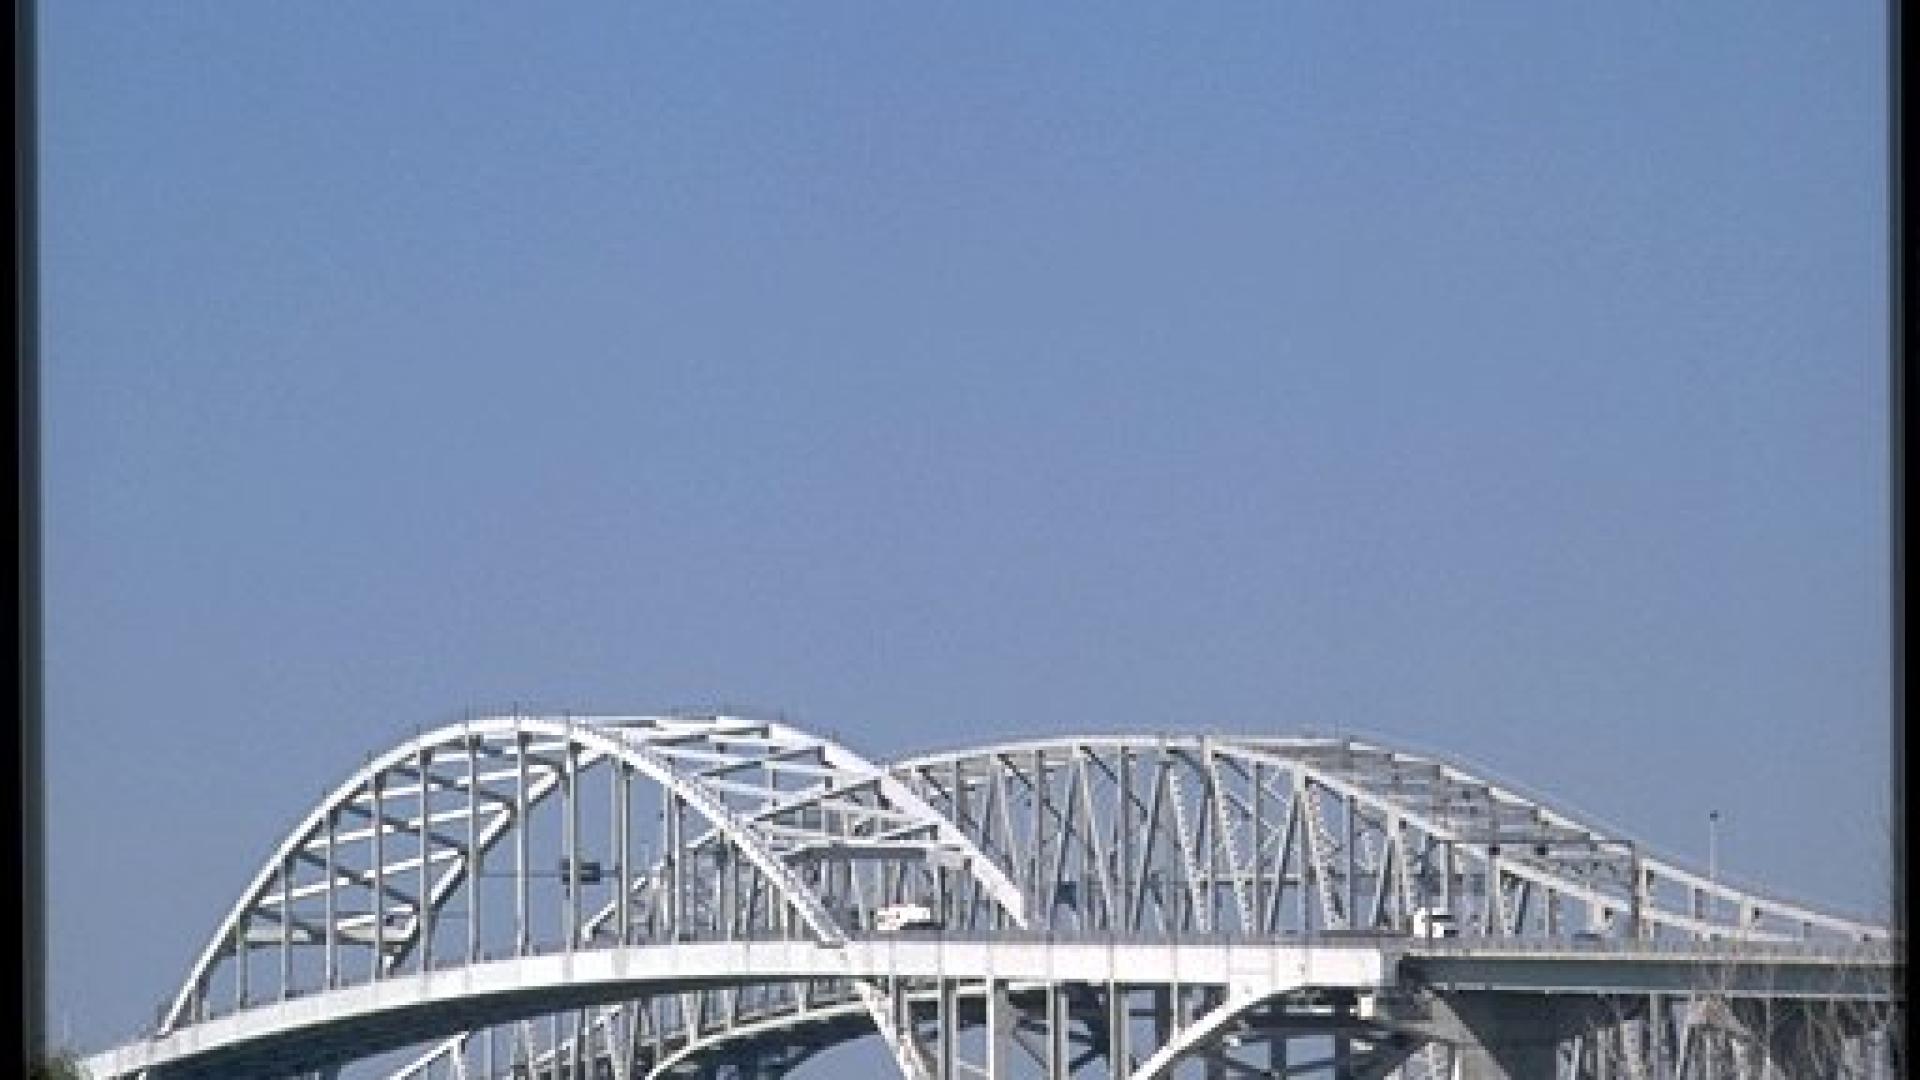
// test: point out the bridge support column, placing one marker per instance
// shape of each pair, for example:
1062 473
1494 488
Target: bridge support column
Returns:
1164 1022
1119 1021
1059 1028
1210 999
1513 1036
1000 1022
1342 1045
1277 1054
1804 1039
948 1038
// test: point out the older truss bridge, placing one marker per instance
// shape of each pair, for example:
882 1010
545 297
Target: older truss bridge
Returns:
639 897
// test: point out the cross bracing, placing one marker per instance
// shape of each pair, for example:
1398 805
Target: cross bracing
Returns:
699 895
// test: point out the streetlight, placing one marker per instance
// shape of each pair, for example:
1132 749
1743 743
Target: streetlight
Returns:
1713 847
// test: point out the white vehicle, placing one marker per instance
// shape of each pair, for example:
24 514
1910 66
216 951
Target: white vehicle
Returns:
1432 923
897 917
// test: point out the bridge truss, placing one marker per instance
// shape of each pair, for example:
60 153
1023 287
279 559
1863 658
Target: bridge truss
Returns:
637 897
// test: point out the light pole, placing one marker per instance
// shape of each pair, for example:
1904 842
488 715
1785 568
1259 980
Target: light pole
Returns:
1713 847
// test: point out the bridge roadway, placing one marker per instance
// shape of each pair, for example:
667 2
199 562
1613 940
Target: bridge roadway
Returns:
320 1029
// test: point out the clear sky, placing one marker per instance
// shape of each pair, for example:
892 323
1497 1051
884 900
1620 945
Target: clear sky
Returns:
1504 378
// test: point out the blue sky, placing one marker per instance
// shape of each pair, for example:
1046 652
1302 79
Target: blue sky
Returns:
1507 379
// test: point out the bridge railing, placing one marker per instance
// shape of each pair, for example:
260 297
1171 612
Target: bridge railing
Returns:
1815 950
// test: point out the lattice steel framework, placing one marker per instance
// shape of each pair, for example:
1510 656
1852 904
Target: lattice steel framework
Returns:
519 839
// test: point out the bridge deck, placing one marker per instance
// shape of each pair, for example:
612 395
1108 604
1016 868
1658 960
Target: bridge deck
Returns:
358 1020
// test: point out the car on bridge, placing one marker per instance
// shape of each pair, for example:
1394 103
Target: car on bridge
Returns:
895 918
1433 923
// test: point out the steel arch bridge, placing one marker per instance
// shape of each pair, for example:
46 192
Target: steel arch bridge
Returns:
701 895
